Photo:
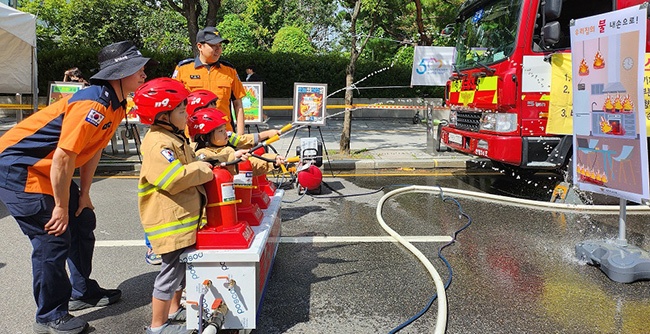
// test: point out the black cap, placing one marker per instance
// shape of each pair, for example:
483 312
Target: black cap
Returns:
120 60
210 35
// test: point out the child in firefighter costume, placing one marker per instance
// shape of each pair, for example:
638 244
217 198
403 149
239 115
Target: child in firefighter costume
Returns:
207 128
171 197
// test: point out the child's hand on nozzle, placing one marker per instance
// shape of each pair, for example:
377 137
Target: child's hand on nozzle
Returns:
280 160
242 154
264 135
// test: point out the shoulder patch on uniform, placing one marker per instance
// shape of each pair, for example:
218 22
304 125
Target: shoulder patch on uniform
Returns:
94 117
105 97
168 154
226 63
185 61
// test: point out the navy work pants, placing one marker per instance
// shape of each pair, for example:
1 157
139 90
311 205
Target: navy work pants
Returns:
52 286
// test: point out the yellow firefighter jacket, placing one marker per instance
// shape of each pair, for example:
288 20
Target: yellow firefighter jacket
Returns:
171 197
227 153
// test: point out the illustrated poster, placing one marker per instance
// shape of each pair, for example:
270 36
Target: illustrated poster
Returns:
309 103
252 103
610 148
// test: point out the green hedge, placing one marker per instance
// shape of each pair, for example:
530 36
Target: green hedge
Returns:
279 70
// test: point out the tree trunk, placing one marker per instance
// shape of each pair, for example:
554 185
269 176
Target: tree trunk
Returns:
192 16
191 10
344 143
424 38
213 8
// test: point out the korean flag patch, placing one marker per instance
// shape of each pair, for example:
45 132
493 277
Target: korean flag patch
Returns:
94 117
168 154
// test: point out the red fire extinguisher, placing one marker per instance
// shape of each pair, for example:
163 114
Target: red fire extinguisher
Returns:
261 180
246 210
223 230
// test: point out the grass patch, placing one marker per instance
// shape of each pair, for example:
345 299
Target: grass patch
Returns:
356 154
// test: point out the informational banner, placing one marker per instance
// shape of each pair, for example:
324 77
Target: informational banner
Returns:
432 65
610 154
560 109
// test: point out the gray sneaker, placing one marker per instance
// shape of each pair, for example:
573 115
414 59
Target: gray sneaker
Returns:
179 316
169 328
68 324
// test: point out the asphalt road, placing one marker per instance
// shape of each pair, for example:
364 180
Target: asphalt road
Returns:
513 268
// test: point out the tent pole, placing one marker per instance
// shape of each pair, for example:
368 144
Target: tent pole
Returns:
34 79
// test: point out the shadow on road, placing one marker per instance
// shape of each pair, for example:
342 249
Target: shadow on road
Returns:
136 293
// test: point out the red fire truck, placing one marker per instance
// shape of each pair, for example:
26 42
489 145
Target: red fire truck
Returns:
492 114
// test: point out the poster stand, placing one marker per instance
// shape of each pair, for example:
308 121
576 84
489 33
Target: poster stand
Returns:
322 140
607 121
620 261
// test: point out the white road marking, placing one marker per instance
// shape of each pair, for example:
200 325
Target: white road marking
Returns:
302 240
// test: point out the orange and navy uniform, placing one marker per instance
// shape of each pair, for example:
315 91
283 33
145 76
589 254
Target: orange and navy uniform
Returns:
220 78
82 123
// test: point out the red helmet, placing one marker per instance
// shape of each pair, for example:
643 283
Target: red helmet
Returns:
204 121
156 96
199 99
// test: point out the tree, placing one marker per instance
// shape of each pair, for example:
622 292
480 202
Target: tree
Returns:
431 16
164 30
191 10
239 34
292 40
366 20
93 23
50 25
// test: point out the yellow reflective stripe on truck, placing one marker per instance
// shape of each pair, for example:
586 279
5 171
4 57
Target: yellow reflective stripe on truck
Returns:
487 83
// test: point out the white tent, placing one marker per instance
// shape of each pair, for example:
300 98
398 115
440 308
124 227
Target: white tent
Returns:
18 69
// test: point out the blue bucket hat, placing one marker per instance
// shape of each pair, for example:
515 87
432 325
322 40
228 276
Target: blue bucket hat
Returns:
120 60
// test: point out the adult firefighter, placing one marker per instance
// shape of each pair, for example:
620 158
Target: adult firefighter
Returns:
37 160
208 71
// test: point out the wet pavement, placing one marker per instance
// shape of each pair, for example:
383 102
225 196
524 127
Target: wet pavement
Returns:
514 269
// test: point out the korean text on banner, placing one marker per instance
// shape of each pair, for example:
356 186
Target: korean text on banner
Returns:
432 65
560 110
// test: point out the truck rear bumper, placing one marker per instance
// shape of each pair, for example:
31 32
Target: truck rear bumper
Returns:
500 148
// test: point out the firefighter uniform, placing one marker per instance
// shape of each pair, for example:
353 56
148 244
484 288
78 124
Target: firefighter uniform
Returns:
171 197
227 153
82 123
220 78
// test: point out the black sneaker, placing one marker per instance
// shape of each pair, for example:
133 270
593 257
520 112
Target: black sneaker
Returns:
68 324
105 297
